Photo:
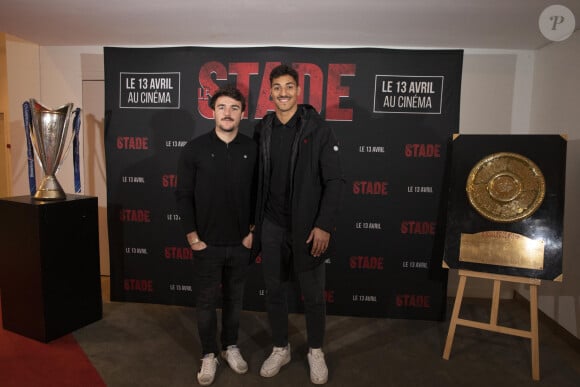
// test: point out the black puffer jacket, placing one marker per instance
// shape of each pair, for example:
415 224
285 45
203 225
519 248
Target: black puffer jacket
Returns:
316 183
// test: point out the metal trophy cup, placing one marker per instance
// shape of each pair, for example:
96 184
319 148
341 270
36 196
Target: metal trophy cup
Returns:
51 139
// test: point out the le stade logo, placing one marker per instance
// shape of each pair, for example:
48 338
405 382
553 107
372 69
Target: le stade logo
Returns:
327 87
138 285
412 301
128 215
423 150
370 188
418 227
133 143
366 262
328 296
178 253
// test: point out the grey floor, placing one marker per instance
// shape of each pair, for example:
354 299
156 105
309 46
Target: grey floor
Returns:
157 345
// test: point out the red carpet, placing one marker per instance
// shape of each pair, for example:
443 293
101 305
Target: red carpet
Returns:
26 362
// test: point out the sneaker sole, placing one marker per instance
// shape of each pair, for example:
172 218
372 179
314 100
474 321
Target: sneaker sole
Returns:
205 383
277 371
319 381
232 368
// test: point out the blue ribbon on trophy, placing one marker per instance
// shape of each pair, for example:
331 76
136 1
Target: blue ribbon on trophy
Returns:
48 137
29 150
76 163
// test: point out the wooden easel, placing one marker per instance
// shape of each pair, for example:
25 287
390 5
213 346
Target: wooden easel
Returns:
532 334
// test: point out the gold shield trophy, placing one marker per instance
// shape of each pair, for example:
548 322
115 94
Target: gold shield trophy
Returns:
52 139
504 187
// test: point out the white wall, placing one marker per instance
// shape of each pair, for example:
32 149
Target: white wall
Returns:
60 83
23 69
555 110
496 97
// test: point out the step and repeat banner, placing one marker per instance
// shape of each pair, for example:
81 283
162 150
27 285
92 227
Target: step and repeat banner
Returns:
394 113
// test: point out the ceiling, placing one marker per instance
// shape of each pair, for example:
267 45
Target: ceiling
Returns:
492 24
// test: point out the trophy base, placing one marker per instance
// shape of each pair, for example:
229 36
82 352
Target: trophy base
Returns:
49 195
49 189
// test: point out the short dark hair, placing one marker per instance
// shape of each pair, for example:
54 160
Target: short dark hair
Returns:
228 91
283 69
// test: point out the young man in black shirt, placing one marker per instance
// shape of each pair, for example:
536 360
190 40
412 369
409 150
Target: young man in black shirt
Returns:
299 189
214 194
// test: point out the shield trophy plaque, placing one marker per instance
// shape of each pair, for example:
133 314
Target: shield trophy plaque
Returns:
52 139
506 205
504 187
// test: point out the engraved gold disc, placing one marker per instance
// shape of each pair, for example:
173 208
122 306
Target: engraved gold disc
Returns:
505 187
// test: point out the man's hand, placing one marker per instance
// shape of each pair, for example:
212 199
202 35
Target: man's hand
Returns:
248 240
194 242
319 239
198 246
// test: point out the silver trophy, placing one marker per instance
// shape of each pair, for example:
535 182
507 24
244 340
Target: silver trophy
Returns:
52 140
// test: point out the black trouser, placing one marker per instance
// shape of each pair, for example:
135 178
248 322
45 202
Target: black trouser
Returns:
277 267
221 270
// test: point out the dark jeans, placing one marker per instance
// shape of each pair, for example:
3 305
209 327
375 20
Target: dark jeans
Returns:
278 270
221 270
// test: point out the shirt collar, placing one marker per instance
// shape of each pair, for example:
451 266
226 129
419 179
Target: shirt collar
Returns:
215 137
290 124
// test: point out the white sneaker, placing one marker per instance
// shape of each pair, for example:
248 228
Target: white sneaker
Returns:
209 365
318 369
279 357
234 358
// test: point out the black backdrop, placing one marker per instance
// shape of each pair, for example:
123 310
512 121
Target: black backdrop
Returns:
394 112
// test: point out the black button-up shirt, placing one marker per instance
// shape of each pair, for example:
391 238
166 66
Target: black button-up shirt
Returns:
215 184
278 203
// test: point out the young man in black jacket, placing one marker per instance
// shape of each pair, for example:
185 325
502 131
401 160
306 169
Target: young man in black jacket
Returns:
299 189
215 181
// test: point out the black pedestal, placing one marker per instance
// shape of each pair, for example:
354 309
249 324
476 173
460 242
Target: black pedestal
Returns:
49 265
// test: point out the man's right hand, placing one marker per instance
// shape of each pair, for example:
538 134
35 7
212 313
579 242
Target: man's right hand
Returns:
198 246
195 243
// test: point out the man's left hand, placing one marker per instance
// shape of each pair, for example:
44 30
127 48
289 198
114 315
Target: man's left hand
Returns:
320 240
247 241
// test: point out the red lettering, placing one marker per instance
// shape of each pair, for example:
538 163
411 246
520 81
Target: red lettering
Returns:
413 301
208 86
173 252
423 150
169 181
140 216
128 142
140 285
329 296
370 188
310 78
264 103
369 263
243 72
418 227
316 81
334 92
